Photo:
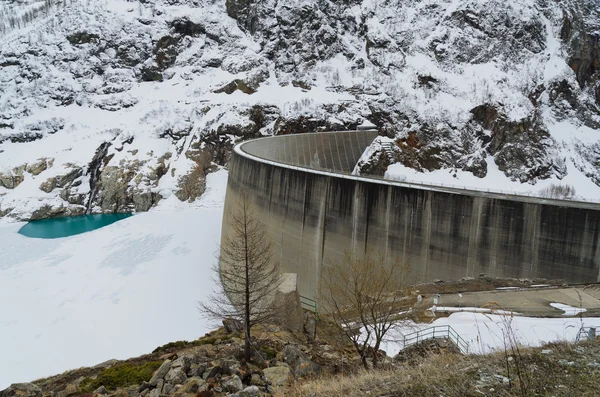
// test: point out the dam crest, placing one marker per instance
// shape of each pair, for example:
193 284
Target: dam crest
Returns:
316 211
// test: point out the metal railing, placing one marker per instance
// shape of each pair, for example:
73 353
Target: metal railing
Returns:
442 187
436 332
310 304
586 333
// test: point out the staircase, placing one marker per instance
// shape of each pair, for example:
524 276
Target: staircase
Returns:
443 334
388 149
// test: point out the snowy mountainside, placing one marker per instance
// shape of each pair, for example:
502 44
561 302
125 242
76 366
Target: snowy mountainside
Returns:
113 105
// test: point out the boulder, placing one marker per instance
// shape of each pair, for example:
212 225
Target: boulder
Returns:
182 362
301 364
38 167
22 390
101 390
176 376
160 372
212 372
234 384
193 385
310 326
233 325
250 391
278 376
12 180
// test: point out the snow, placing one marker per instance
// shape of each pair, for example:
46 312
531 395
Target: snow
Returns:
116 292
585 189
450 309
568 310
485 333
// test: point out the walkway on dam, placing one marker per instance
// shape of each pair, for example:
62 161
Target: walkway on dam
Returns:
526 301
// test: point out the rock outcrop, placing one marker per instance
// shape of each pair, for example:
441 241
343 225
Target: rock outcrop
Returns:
454 85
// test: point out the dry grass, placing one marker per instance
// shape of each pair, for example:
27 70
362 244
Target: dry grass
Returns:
569 370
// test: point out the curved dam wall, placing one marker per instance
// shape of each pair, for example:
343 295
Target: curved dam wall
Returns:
314 216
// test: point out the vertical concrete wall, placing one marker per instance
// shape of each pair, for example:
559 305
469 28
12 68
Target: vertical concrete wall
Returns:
314 217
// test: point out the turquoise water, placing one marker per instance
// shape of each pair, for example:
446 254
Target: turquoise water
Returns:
69 226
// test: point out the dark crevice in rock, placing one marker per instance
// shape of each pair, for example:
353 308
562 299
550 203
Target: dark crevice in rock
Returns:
94 170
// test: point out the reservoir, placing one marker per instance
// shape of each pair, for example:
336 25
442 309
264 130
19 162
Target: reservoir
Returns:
68 226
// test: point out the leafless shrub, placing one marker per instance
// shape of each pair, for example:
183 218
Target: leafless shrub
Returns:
563 192
364 293
246 276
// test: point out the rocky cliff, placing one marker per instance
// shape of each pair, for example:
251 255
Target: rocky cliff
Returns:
114 105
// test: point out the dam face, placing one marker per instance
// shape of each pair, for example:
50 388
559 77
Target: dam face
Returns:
315 212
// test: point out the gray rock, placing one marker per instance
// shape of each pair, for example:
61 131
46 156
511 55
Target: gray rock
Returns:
193 385
234 384
233 325
40 166
292 354
105 364
256 380
250 391
306 367
161 372
100 390
176 376
182 362
212 372
166 389
11 181
301 364
22 390
144 386
310 326
278 376
154 393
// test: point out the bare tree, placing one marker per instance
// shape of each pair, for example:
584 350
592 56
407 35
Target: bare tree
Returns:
246 276
365 292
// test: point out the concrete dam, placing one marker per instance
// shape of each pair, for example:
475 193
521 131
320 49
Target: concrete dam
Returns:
315 212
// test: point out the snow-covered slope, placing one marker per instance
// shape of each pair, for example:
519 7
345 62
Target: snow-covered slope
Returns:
113 105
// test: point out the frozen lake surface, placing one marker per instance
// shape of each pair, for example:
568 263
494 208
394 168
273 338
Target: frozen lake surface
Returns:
115 292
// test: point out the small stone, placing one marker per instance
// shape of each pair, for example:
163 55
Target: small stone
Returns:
546 351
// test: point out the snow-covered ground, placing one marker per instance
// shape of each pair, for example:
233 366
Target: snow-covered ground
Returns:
487 332
115 292
496 180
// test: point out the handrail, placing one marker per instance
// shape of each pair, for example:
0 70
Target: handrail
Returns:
587 333
310 304
580 202
436 332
